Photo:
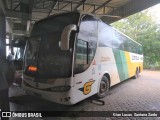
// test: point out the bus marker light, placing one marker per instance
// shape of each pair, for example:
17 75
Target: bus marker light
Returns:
78 82
94 62
32 68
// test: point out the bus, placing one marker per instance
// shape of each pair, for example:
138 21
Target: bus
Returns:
72 56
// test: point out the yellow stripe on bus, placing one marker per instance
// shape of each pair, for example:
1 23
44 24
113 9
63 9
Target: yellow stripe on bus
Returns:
132 65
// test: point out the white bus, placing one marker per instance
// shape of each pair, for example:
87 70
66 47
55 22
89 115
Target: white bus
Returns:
72 56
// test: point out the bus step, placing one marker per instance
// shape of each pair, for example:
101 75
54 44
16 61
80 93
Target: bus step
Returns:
97 101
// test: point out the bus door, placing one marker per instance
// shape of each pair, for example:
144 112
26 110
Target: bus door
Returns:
86 44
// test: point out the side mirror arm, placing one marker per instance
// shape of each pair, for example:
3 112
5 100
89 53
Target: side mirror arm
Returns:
65 37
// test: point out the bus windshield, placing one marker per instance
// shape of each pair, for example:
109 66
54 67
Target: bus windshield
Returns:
43 50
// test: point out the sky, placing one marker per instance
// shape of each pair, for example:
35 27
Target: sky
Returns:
155 12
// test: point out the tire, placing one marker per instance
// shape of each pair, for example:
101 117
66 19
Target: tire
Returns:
136 74
104 88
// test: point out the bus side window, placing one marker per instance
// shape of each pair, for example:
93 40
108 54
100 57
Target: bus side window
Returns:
105 35
81 56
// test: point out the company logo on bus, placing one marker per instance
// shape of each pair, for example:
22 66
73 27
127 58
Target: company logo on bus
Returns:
136 58
87 87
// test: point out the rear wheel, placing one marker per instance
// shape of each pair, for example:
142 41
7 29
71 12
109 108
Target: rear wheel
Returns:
136 74
104 87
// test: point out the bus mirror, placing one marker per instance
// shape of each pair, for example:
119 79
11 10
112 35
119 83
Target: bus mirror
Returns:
65 37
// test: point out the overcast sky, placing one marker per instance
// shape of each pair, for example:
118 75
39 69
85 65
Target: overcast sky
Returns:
155 11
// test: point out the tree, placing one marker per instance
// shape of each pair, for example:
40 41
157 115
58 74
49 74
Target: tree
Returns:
143 29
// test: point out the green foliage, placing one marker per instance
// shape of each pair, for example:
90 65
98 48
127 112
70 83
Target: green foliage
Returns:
143 29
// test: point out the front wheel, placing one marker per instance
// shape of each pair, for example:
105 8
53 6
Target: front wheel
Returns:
104 87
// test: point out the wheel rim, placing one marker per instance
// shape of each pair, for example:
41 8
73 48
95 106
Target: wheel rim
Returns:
103 87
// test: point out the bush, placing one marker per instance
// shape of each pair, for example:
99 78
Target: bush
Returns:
153 67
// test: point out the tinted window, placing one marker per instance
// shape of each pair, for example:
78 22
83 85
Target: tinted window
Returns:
54 23
122 42
105 35
86 43
43 50
109 37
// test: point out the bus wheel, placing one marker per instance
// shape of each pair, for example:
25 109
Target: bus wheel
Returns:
136 74
104 87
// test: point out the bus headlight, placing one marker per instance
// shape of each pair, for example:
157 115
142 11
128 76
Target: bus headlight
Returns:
60 88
